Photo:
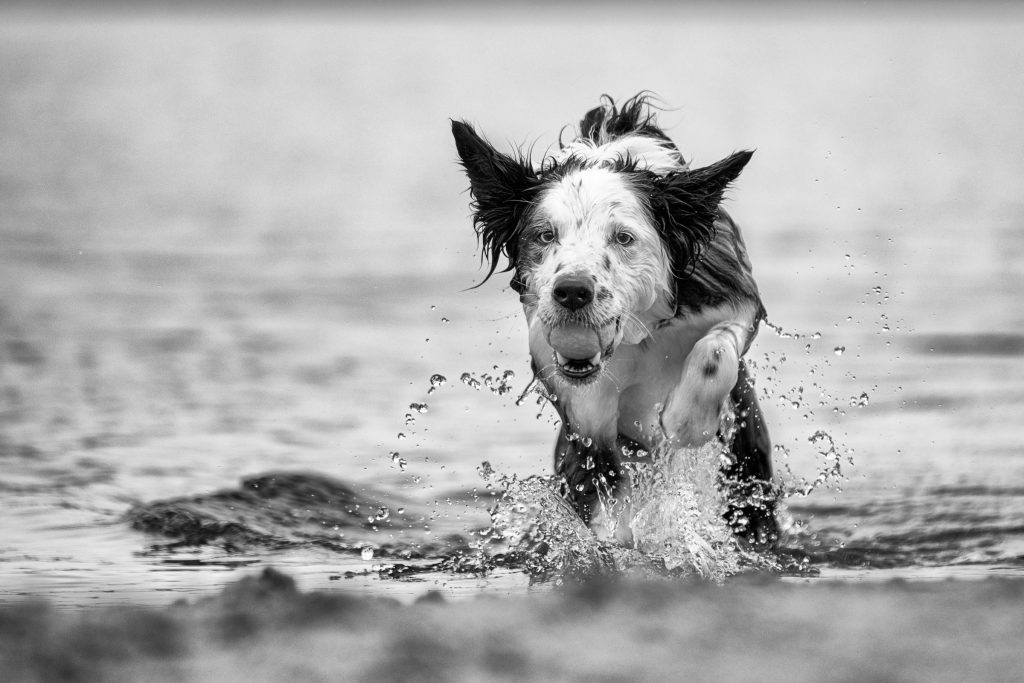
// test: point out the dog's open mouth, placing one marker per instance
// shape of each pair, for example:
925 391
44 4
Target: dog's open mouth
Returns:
581 368
580 350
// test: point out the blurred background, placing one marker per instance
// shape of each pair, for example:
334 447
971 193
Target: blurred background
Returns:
235 239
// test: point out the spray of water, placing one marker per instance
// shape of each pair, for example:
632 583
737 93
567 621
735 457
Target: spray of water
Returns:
678 512
675 511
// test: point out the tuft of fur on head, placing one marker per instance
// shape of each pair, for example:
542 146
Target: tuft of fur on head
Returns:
618 205
607 122
609 133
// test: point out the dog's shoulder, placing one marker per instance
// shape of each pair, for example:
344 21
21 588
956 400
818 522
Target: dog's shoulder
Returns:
721 276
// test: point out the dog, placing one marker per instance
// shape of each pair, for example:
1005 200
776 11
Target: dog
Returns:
640 302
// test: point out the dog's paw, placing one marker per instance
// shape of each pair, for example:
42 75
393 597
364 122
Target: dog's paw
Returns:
693 410
713 366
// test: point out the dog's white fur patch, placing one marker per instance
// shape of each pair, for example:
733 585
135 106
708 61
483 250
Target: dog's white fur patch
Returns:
651 154
588 209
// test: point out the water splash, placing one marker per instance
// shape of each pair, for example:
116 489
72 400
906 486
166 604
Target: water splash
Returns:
675 512
498 384
679 513
397 459
436 381
540 524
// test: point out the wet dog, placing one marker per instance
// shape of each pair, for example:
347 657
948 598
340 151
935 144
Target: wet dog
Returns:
640 302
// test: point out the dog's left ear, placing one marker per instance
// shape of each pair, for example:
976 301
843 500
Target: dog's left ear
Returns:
502 189
685 205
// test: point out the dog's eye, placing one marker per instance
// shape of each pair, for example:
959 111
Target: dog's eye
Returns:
546 236
624 238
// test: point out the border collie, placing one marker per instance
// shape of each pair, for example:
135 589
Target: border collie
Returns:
640 303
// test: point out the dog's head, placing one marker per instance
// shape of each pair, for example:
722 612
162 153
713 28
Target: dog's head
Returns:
597 235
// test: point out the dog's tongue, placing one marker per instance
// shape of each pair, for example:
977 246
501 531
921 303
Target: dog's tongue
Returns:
575 341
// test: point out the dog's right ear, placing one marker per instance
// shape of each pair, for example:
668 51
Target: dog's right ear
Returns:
502 189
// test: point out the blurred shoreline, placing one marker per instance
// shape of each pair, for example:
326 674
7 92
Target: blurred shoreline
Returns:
262 628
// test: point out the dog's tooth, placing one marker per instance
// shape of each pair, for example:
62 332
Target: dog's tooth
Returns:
596 360
562 360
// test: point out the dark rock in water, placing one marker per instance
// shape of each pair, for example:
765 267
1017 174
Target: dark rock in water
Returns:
273 510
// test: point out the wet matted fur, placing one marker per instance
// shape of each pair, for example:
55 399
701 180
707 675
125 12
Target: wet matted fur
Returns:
639 297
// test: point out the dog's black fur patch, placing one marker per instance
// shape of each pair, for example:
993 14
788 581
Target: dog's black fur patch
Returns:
502 187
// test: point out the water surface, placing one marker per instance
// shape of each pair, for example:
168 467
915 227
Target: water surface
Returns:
240 245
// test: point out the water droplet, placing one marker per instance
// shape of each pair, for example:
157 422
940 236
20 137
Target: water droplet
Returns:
437 380
445 321
839 350
367 554
401 436
485 470
419 407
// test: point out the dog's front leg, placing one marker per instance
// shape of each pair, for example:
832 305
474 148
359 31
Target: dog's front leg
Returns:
693 409
587 458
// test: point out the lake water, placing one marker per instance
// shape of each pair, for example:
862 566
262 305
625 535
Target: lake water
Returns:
239 245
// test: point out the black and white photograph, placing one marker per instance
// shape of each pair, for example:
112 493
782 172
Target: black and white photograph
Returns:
526 341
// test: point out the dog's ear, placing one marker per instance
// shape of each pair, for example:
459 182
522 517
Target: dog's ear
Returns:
502 188
685 206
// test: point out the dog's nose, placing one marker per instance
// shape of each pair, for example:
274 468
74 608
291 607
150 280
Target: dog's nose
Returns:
573 293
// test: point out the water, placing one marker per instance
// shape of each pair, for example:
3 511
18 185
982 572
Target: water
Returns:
238 250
